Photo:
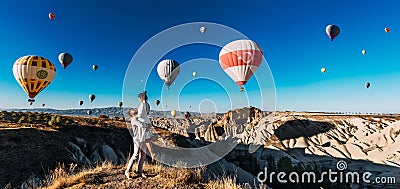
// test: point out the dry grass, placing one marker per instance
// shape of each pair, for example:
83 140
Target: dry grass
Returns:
63 177
225 183
159 175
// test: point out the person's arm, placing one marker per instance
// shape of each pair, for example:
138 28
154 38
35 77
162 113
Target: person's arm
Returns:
130 129
147 108
140 110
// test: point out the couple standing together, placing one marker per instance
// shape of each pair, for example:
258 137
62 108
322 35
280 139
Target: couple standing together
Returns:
141 134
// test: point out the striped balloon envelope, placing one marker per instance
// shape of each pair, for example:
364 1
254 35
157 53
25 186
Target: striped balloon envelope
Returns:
168 70
240 59
33 73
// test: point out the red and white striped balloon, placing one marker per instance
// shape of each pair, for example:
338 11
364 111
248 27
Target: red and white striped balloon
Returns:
240 59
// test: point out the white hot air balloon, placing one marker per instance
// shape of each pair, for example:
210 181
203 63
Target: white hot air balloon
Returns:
168 70
203 29
364 52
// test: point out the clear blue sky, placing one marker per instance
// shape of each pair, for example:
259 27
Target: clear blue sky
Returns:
291 33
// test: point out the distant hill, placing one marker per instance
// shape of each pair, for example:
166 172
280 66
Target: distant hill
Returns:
110 111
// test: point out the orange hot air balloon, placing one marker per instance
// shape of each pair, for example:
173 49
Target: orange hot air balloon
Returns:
52 16
387 30
240 59
33 73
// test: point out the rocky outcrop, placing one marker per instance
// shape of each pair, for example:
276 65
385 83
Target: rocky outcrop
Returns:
27 154
233 123
102 152
109 154
214 128
77 154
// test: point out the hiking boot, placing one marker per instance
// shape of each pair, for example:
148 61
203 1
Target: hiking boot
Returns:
143 175
140 174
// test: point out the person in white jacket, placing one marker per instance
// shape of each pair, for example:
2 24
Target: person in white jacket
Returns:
139 141
143 112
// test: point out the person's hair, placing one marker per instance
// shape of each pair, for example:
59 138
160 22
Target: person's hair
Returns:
133 112
143 95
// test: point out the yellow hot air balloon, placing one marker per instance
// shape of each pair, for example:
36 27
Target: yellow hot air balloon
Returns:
173 113
33 73
323 70
364 52
203 29
194 74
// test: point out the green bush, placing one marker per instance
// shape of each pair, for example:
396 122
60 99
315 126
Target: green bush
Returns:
21 119
14 114
56 120
59 119
52 121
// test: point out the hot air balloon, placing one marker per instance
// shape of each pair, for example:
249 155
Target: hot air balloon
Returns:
30 103
190 106
387 30
203 29
157 102
332 31
65 59
52 16
92 97
173 113
364 52
323 70
33 73
168 70
80 103
240 59
95 67
194 74
367 84
89 112
120 104
43 105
